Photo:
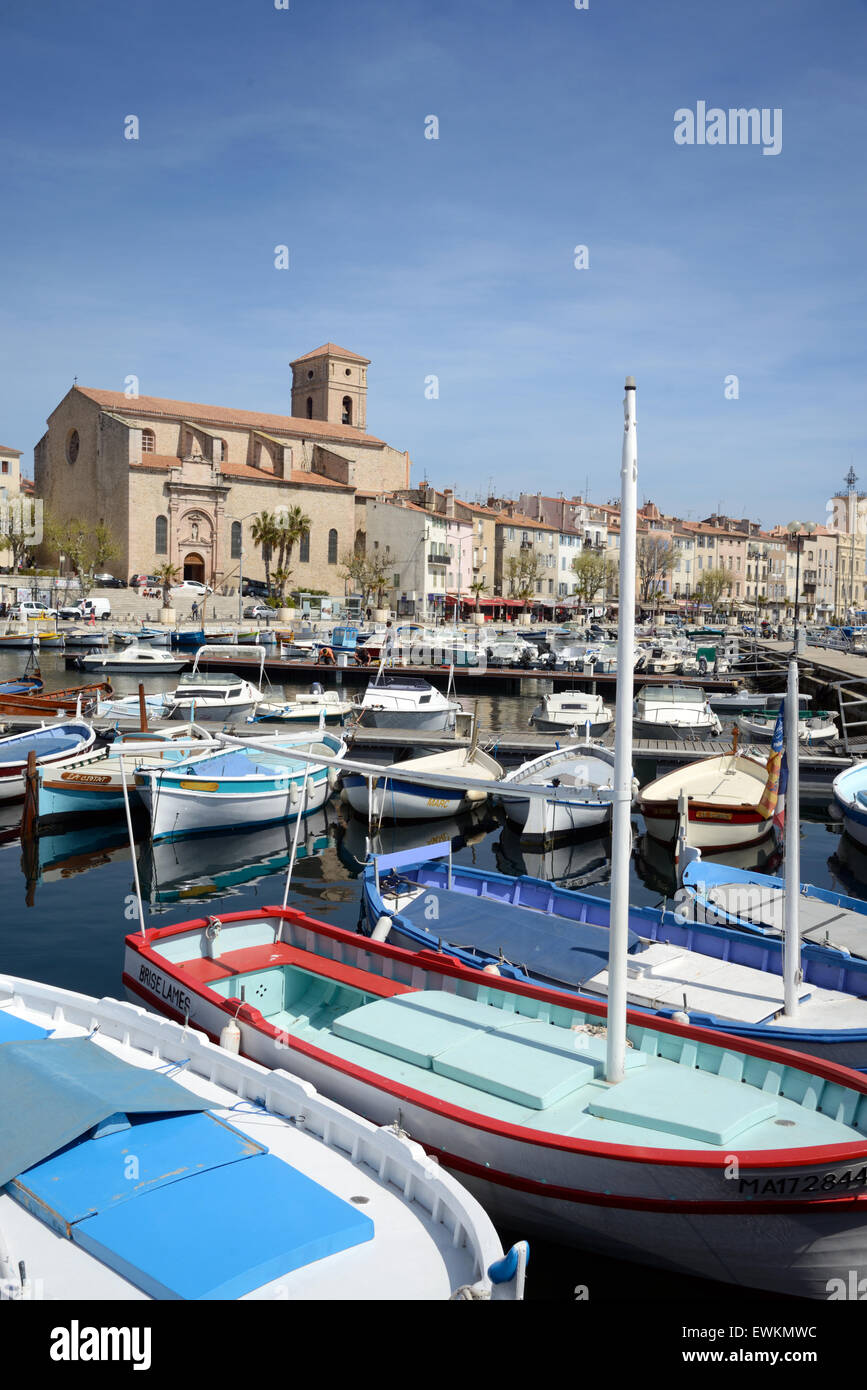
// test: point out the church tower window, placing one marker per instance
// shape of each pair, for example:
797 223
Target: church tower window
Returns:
309 407
347 411
161 536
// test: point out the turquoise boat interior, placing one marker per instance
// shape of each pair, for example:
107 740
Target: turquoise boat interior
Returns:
536 1064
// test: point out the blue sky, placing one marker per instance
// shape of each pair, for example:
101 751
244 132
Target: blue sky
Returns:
454 257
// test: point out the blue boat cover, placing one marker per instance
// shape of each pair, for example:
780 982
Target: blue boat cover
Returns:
181 1204
43 742
225 1232
552 948
14 1029
54 1090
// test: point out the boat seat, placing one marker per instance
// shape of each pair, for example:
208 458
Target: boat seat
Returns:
514 1070
687 1109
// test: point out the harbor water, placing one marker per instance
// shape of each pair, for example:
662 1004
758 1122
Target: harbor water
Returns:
68 901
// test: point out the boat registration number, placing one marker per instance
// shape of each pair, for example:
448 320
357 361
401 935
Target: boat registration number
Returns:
803 1184
437 801
713 815
99 780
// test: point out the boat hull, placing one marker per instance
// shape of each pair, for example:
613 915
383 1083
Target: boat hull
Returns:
709 826
423 721
188 810
401 800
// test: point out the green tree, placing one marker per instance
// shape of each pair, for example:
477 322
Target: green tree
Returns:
655 557
265 535
290 524
87 547
592 572
166 575
713 584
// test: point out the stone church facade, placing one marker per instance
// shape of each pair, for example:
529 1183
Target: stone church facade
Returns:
182 483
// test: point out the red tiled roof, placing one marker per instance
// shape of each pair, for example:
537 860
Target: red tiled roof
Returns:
221 415
523 522
331 350
4 449
299 477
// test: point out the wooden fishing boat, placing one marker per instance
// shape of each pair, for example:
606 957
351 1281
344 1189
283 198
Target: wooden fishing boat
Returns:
93 784
384 799
578 782
52 744
247 1184
850 794
533 930
67 701
731 1160
730 802
756 902
815 727
243 784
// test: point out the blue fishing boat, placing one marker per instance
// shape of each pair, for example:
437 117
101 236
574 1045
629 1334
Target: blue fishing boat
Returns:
25 685
52 744
755 902
243 785
189 639
850 794
530 930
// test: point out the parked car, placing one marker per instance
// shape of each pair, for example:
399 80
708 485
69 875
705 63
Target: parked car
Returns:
254 588
29 609
144 581
258 610
191 587
108 581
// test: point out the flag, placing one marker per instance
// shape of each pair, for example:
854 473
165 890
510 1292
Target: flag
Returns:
771 804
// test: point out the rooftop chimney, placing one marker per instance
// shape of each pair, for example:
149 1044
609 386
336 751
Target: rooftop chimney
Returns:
449 498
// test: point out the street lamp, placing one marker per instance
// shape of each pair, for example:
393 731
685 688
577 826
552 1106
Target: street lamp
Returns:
796 530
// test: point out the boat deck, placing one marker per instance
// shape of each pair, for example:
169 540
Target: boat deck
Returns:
543 1069
827 924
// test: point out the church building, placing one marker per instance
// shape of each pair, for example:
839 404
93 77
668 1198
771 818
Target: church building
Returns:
183 483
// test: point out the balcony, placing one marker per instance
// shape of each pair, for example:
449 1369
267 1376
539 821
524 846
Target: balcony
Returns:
810 577
435 558
526 545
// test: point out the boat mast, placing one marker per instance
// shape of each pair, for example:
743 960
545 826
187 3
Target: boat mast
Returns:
621 830
792 937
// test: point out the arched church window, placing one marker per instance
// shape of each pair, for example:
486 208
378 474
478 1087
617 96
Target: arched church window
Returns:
304 548
347 410
332 547
161 536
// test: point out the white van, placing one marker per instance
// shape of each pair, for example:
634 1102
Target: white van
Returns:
99 607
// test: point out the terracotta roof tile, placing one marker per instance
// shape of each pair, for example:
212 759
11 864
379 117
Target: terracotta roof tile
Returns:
221 415
331 350
4 449
299 477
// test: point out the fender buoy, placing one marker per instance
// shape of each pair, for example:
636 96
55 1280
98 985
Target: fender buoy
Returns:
382 928
230 1037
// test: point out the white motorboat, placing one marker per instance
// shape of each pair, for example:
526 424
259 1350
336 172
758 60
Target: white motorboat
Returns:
674 712
132 660
574 711
814 727
245 1183
407 702
384 799
311 707
215 696
578 780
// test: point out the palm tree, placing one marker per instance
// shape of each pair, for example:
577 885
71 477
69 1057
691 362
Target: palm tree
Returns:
265 534
166 575
290 524
477 588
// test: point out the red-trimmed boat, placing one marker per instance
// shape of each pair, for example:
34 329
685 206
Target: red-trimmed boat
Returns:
52 744
734 1161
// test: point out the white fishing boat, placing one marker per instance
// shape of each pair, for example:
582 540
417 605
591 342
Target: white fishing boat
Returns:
384 798
572 710
674 712
248 1184
133 660
407 702
245 783
217 696
578 782
814 728
91 638
850 794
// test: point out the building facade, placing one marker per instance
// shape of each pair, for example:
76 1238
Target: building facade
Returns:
182 483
